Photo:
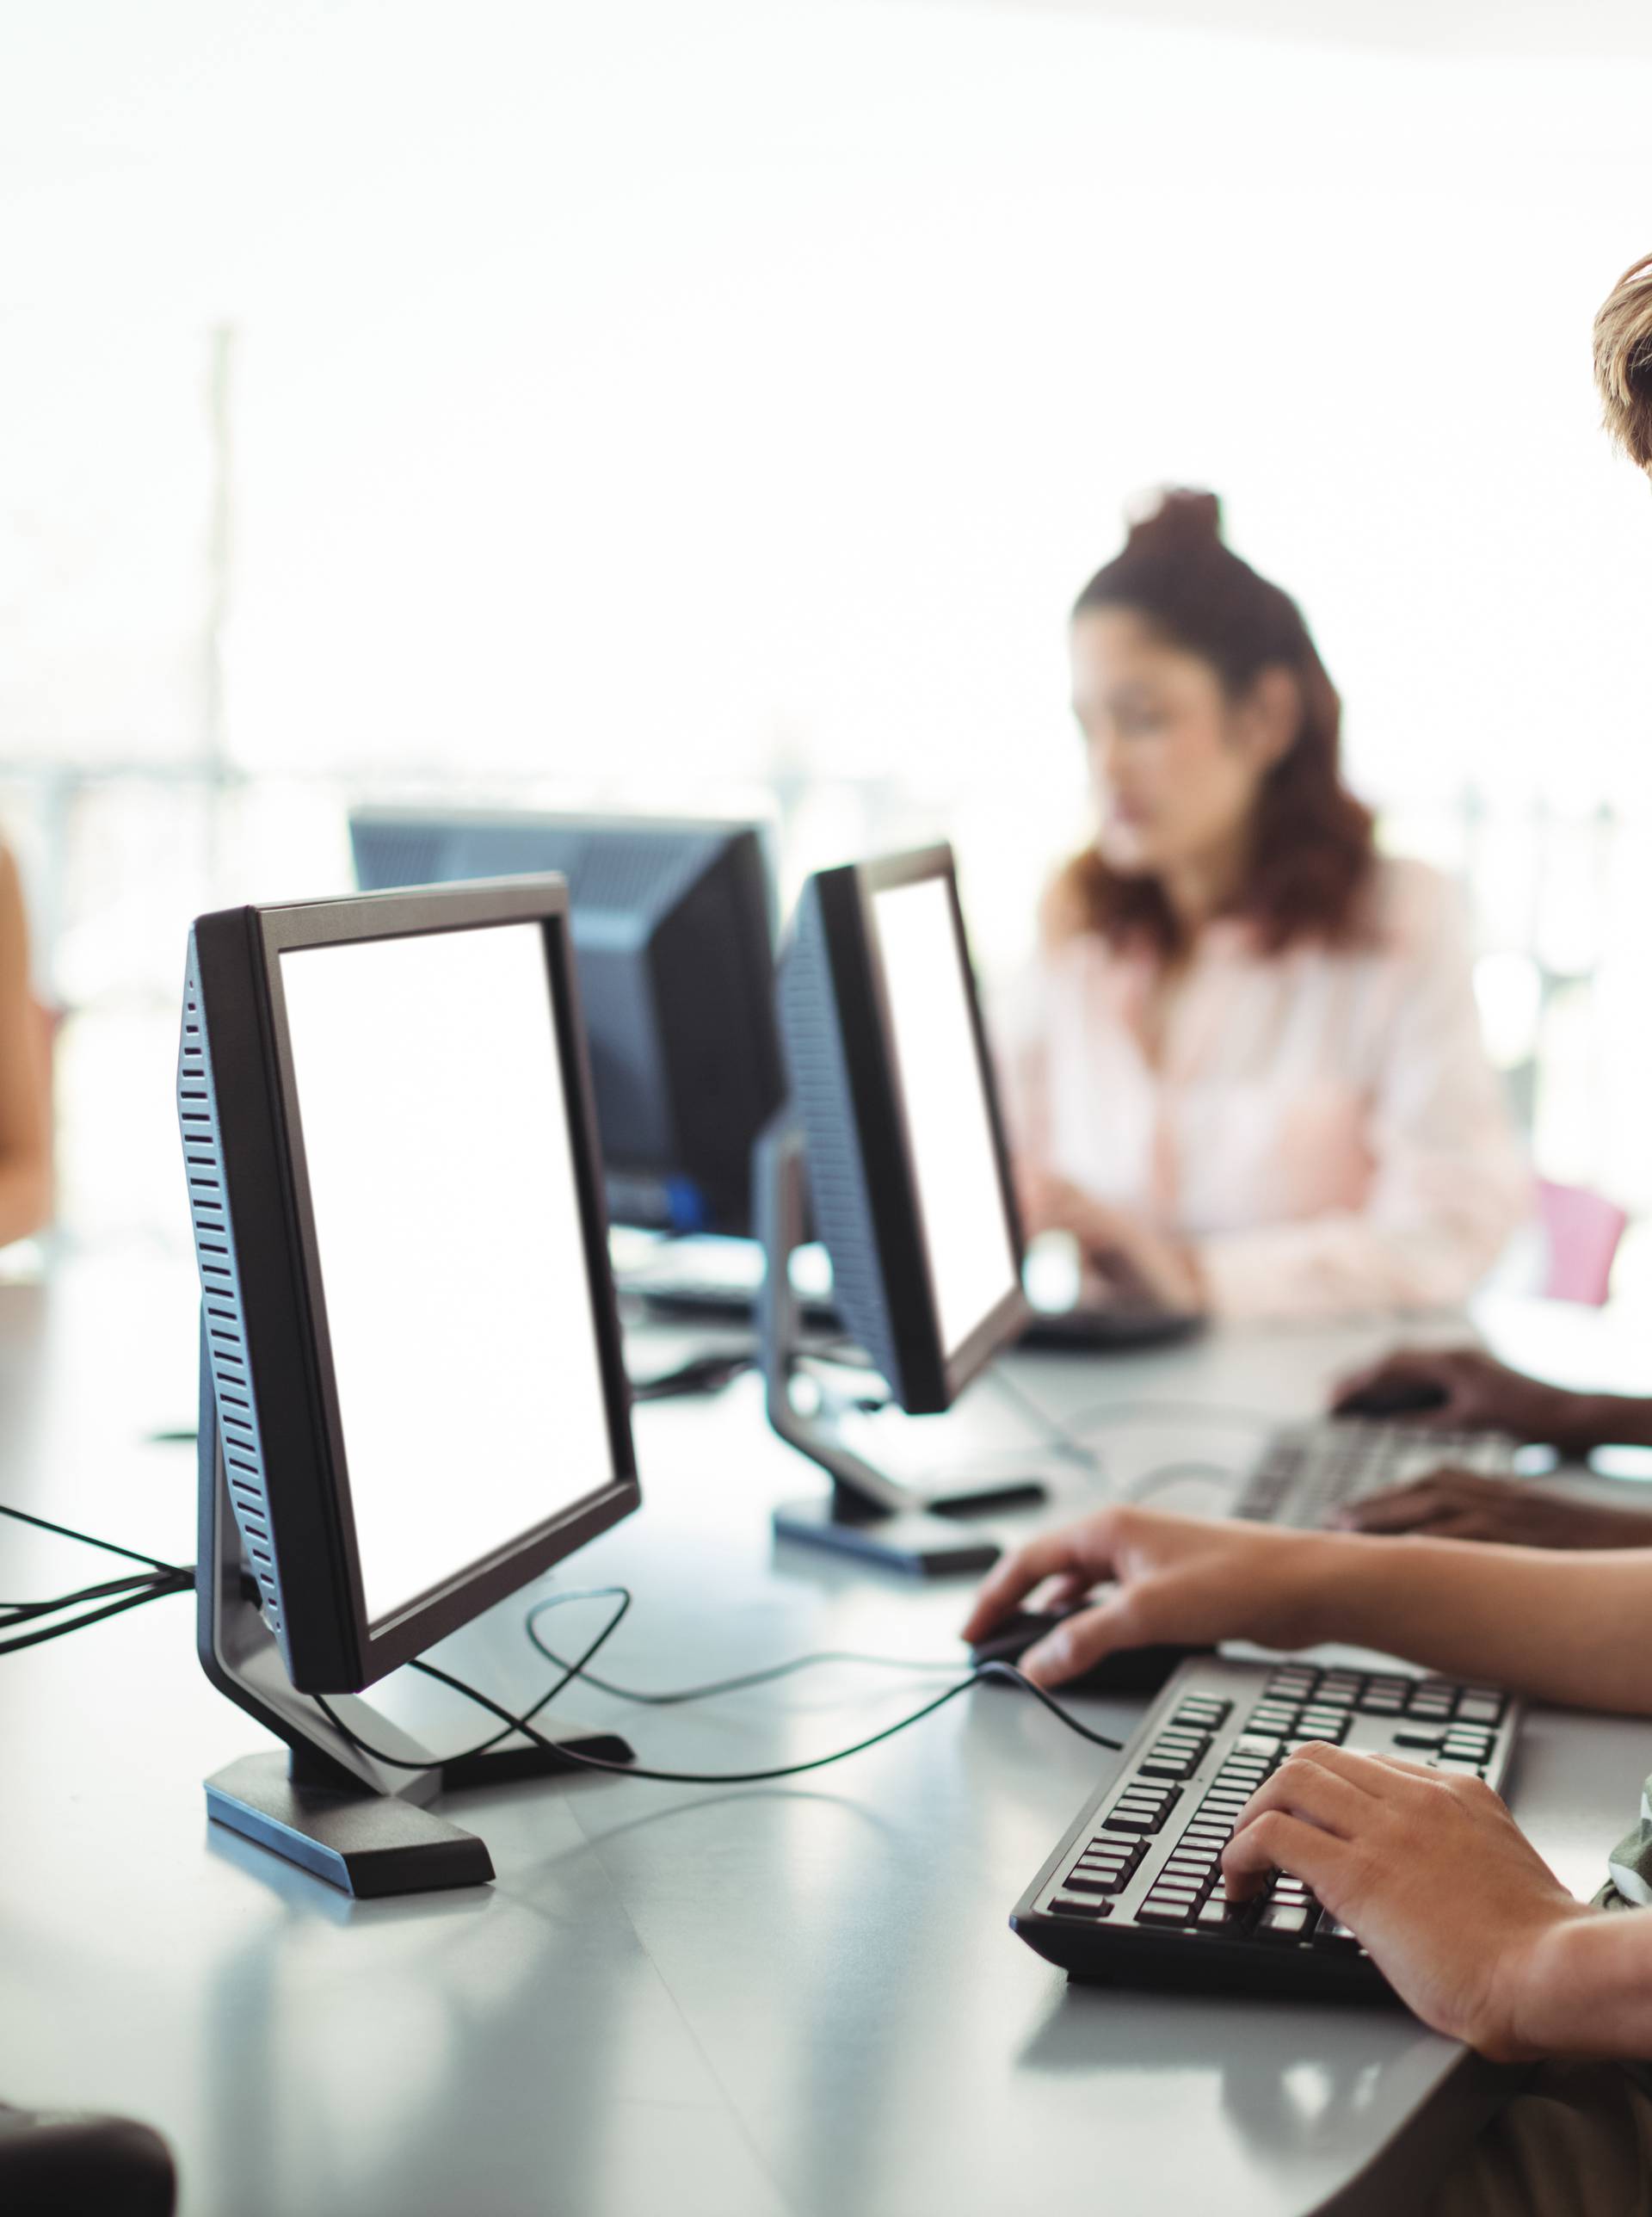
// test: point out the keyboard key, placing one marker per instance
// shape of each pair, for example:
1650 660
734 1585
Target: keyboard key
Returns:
1154 1910
1419 1736
1087 1882
1265 1745
1144 1821
1285 1920
1323 1724
1197 1872
1063 1907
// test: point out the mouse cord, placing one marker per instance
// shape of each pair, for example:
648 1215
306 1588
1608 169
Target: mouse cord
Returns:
524 1726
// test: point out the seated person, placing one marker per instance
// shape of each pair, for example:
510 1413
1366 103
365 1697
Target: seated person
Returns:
1462 1390
25 1081
1431 1872
1246 1070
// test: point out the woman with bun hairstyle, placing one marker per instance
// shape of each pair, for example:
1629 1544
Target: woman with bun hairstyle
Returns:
1431 1871
1246 1069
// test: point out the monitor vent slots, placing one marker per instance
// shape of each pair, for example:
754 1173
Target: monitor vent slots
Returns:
821 1086
244 1465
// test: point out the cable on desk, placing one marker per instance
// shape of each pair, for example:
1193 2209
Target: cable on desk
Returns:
1061 1438
86 1539
118 1594
735 1685
1104 1413
513 1723
1165 1473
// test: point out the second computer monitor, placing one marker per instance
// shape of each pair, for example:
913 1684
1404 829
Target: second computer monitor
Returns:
674 937
893 1084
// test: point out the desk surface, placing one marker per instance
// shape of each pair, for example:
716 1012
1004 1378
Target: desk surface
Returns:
787 2001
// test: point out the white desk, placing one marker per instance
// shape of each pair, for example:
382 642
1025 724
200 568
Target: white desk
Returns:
795 2001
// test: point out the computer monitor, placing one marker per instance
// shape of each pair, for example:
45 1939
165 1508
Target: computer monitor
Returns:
413 1399
674 939
896 1118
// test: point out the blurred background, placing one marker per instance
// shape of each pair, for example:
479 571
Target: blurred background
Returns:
714 406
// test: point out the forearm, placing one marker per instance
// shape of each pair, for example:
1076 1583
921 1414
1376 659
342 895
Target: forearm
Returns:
1568 1627
1587 1989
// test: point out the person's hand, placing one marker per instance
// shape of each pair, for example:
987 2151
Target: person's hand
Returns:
1429 1871
1475 1394
1129 1257
1187 1579
1459 1505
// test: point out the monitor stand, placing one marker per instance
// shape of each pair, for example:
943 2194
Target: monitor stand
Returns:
867 1513
361 1825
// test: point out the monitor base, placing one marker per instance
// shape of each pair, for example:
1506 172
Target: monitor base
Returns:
369 1843
366 1844
912 1542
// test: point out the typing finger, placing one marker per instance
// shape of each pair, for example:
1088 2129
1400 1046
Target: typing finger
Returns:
1280 1841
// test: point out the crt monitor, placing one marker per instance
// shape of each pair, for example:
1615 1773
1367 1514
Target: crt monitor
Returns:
897 1120
413 1395
674 936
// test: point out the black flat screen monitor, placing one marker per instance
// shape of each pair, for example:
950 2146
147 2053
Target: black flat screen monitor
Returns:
674 936
893 1086
408 1317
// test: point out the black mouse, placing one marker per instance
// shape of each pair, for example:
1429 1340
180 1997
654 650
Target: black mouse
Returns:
1394 1397
1126 1670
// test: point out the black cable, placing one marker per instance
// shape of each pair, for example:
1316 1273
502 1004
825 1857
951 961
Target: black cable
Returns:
24 1612
179 1580
569 1671
67 1532
512 1723
736 1685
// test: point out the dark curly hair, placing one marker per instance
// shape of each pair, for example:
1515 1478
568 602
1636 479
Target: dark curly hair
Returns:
1312 855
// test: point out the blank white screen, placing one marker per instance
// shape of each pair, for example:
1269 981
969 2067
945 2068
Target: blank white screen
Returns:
453 1265
960 1198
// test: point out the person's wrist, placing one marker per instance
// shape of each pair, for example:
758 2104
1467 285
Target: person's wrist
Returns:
1573 1423
1298 1595
1543 2000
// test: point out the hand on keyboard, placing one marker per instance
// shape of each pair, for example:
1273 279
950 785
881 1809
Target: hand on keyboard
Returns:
1456 1504
1181 1579
1471 1393
1429 1870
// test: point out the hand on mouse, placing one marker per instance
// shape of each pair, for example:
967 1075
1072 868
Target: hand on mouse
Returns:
1476 1395
1433 1875
1184 1580
1459 1505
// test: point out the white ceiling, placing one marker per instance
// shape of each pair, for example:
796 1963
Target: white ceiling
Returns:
1491 27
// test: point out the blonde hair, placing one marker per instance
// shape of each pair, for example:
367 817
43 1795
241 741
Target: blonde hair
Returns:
1622 362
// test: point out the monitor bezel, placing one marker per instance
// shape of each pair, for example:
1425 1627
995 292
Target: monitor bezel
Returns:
888 1155
383 1645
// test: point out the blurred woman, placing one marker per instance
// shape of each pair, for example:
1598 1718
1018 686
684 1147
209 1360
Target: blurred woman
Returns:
25 1085
1246 1071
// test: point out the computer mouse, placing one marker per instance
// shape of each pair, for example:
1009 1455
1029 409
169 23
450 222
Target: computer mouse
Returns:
1394 1397
1126 1670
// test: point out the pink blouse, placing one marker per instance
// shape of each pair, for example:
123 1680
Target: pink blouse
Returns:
1322 1124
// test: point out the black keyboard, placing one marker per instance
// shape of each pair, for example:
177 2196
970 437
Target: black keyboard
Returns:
1134 1891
